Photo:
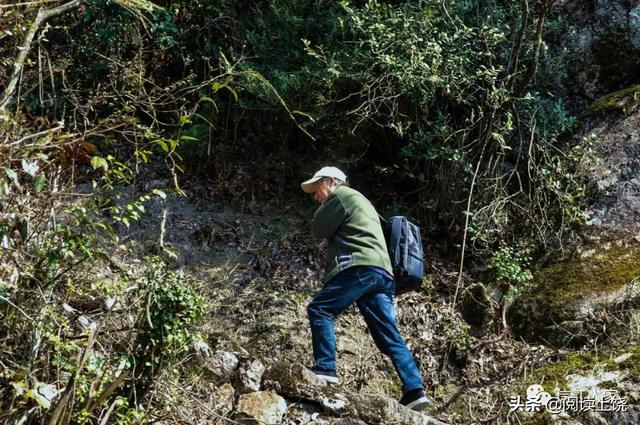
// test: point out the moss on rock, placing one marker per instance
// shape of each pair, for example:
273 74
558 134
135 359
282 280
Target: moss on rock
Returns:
568 291
585 363
626 100
581 364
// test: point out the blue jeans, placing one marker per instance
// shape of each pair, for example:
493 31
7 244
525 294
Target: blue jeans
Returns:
373 293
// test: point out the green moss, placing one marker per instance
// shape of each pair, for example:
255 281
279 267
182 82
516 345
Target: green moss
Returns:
631 365
555 375
625 100
459 410
555 294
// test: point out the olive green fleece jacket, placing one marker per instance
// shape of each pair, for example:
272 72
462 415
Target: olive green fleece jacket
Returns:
353 228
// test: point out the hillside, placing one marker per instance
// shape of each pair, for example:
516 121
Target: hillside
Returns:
156 259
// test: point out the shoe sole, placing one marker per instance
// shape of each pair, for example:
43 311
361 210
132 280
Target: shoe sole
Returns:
419 404
328 379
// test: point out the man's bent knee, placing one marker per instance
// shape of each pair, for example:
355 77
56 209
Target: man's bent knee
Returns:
315 312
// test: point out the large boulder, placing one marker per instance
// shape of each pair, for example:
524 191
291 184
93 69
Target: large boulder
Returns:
383 410
596 49
295 381
611 378
566 294
614 176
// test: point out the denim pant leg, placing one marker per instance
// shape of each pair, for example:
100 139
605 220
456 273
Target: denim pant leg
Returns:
329 303
377 309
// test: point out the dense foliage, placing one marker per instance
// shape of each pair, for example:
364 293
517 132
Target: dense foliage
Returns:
441 95
436 99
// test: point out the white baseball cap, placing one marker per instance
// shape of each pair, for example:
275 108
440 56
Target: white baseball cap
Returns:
309 185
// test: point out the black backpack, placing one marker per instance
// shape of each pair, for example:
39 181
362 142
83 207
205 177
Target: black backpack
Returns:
405 251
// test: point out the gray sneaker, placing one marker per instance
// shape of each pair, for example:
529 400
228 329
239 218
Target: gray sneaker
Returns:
328 376
415 400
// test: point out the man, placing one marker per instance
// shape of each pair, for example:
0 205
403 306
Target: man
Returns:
358 269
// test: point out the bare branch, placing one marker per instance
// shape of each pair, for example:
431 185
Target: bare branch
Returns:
42 16
46 14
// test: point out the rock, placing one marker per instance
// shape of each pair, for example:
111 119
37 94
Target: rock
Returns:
590 383
44 394
203 351
224 398
293 380
383 410
221 364
634 25
605 40
250 376
623 357
348 421
335 404
610 377
614 177
372 409
306 414
598 384
566 294
347 345
263 407
296 381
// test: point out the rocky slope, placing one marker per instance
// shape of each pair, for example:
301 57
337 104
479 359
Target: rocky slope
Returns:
260 268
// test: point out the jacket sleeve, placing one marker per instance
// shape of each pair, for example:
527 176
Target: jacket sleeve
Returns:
328 218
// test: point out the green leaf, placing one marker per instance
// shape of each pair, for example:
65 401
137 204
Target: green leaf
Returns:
160 193
209 100
194 139
172 144
233 92
162 145
217 86
98 162
143 155
40 182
